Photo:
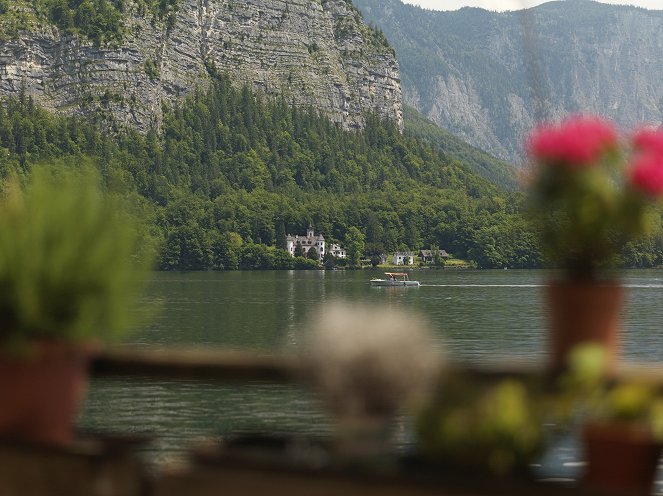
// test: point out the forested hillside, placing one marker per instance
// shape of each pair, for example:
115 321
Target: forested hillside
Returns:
230 174
487 166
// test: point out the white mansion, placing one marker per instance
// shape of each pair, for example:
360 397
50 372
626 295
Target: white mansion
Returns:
313 242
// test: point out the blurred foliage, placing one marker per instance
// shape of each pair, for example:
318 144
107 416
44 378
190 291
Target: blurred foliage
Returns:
584 392
497 427
71 266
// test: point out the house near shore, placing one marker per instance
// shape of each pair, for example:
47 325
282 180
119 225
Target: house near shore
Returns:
337 250
315 242
403 258
428 256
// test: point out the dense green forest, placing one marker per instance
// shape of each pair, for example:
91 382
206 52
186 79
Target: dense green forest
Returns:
228 175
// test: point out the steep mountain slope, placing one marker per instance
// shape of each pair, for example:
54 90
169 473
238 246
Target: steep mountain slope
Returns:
487 166
488 77
126 58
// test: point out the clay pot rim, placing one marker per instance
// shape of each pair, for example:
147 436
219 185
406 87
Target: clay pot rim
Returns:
632 431
35 349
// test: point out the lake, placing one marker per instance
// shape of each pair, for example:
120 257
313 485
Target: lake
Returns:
474 315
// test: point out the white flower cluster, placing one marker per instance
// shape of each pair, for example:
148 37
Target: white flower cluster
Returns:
369 361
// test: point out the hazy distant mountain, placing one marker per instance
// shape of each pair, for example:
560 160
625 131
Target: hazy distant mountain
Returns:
488 77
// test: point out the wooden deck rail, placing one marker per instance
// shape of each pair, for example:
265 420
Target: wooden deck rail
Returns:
195 363
102 466
235 365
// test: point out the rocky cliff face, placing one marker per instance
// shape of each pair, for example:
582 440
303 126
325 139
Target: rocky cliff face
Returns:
312 52
489 77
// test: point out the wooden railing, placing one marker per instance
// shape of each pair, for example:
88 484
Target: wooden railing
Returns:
193 363
235 365
109 465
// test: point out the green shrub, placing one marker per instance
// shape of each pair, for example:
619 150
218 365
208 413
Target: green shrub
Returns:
151 69
70 267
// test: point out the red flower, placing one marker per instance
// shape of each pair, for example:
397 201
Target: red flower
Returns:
577 142
646 174
649 141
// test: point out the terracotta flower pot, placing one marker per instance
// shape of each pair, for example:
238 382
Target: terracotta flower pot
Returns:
583 312
42 391
622 458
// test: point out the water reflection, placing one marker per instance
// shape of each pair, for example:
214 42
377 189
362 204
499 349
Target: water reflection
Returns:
474 313
176 414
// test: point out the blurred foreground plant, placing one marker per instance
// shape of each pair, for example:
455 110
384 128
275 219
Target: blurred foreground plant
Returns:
591 192
496 427
622 424
634 403
71 267
367 362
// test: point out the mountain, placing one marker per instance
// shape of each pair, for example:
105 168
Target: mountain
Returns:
483 164
229 171
127 58
232 138
488 77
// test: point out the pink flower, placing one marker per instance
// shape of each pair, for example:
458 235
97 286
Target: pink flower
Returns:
649 141
577 142
646 174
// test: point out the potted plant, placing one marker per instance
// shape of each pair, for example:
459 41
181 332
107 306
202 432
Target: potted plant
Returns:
69 274
622 438
590 194
367 364
490 427
621 423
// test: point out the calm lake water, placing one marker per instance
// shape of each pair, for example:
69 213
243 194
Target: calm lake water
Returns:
475 315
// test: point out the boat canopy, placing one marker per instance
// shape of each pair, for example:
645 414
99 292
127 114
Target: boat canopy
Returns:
397 274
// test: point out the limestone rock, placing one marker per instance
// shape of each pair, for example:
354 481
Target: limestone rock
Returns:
315 53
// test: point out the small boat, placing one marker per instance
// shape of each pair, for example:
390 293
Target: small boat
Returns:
394 279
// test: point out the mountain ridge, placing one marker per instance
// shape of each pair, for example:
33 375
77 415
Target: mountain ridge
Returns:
489 77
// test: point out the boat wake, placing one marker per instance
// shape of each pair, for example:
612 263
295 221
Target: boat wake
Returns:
631 286
483 285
